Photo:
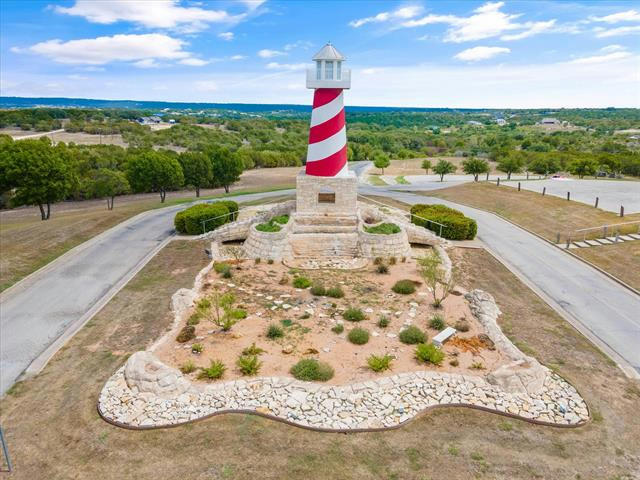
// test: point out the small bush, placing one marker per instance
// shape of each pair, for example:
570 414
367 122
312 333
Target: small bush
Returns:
311 370
281 219
232 207
188 367
339 328
477 366
270 261
238 314
187 333
383 321
379 364
227 273
203 304
382 268
429 353
253 350
286 322
194 319
383 229
404 287
462 325
216 370
221 267
335 292
378 260
358 336
248 364
318 290
274 331
392 261
190 221
412 335
301 282
456 225
454 362
353 314
197 348
257 261
437 322
273 225
284 280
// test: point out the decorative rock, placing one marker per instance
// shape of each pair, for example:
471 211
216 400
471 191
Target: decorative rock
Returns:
287 349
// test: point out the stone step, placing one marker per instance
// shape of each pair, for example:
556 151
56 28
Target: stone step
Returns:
324 245
338 220
324 228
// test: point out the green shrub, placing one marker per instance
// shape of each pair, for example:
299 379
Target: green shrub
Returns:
382 268
286 322
335 292
412 335
232 207
270 261
456 225
429 353
353 314
311 370
221 267
273 225
301 282
281 219
383 229
462 325
339 328
197 348
227 273
358 336
318 290
477 366
248 364
216 370
383 321
187 333
189 221
237 313
188 367
253 350
194 319
437 322
274 331
378 261
203 304
404 287
379 364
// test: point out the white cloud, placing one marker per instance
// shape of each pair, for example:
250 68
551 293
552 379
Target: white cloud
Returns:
487 21
238 57
102 50
148 13
266 53
609 57
613 48
228 36
253 4
401 13
476 54
617 32
299 44
371 71
286 66
146 63
626 16
206 86
193 62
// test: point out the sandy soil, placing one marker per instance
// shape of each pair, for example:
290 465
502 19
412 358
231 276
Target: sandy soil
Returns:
257 290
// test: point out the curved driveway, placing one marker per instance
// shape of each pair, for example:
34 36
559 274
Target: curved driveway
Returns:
51 304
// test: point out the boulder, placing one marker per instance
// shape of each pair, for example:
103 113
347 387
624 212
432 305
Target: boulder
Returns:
521 376
148 374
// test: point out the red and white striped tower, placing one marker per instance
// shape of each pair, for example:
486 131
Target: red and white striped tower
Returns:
327 151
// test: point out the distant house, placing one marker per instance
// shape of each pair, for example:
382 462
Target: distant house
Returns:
501 121
550 121
474 123
149 120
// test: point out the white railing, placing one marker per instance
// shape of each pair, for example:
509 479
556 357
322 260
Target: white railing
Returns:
314 82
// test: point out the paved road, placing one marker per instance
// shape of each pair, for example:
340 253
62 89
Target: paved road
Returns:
41 309
35 315
602 306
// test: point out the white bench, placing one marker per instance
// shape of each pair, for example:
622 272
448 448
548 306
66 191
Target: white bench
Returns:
443 336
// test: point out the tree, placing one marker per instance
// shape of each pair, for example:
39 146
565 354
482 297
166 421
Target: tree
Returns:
381 160
475 166
583 166
226 167
434 275
151 171
197 169
39 173
543 164
109 183
511 163
426 165
444 167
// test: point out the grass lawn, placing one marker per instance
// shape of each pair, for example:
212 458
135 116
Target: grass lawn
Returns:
28 243
375 180
54 431
549 215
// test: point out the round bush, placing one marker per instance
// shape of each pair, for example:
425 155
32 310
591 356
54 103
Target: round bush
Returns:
353 315
311 370
382 268
318 290
429 354
358 336
335 292
412 335
456 225
187 333
274 331
301 282
189 221
339 328
404 287
437 322
232 207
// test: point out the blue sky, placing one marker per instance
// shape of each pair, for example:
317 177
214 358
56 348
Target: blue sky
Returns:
422 53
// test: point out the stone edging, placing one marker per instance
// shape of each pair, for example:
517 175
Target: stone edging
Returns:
389 402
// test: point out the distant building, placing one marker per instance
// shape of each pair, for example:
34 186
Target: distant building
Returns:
550 121
149 120
501 121
474 123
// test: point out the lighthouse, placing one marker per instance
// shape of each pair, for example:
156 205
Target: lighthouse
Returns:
327 150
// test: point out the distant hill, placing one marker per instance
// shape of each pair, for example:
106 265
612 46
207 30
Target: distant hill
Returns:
62 102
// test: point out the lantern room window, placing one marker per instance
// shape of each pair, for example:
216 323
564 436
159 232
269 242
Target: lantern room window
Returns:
328 70
318 70
338 70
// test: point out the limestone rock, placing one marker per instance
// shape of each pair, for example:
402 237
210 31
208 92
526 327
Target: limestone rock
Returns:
148 374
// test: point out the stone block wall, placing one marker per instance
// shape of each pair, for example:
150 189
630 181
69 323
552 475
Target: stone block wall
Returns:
309 187
268 245
378 245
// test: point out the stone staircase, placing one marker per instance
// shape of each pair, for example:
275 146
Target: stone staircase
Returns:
325 224
601 241
324 245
